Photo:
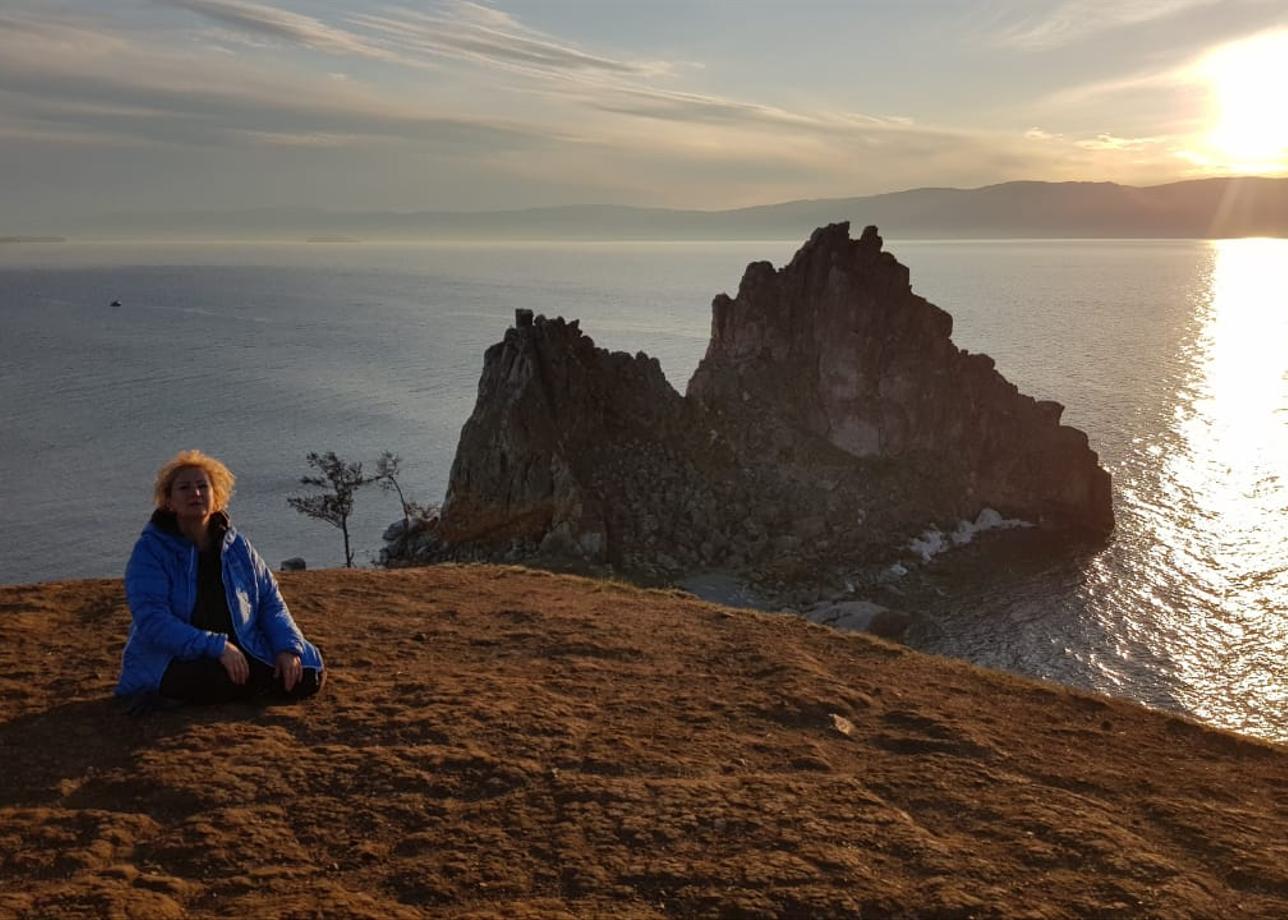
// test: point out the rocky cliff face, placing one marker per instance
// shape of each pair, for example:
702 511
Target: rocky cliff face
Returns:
831 418
553 414
837 346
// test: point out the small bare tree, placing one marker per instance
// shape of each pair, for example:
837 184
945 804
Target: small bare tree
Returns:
417 518
388 468
342 479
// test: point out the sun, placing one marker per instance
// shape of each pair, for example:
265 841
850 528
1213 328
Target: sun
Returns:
1249 83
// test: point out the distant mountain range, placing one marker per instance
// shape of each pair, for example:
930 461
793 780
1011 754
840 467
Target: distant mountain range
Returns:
1203 208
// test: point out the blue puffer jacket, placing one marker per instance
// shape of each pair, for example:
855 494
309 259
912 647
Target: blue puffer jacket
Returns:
161 588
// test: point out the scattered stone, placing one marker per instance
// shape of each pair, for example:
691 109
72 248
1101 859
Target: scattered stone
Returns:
865 616
294 564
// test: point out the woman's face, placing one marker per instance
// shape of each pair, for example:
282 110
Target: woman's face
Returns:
190 494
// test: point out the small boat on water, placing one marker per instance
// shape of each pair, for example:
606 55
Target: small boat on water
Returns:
115 303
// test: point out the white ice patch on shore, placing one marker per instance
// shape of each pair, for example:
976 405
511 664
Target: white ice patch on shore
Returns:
934 541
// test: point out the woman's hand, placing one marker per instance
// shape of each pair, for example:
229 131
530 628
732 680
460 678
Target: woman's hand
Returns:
235 663
289 669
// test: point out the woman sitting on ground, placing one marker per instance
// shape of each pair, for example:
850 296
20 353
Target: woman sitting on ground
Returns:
209 623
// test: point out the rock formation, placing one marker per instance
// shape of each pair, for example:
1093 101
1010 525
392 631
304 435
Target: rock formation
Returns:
838 346
554 413
831 418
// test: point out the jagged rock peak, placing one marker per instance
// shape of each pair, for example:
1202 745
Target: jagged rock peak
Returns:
548 399
837 346
832 244
836 238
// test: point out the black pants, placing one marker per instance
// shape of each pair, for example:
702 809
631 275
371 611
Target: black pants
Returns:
206 681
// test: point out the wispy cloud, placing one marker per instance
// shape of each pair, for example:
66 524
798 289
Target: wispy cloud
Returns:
453 30
1110 142
1145 81
667 105
17 131
531 62
1074 20
314 140
122 90
473 32
274 22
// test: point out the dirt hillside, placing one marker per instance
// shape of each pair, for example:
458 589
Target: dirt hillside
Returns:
506 743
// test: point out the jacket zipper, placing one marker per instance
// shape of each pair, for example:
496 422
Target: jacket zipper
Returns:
224 564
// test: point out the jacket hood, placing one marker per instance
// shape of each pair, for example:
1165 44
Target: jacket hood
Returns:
166 524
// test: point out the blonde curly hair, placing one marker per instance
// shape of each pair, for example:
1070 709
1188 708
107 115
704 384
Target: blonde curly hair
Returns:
221 478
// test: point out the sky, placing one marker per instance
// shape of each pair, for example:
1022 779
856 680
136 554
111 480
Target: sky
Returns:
165 105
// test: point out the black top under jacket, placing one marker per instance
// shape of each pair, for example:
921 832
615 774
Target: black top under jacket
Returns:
211 611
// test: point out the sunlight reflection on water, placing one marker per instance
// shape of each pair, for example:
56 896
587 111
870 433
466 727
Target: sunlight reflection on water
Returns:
1207 527
1232 467
1186 608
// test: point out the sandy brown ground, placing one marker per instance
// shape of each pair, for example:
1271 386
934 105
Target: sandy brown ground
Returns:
502 742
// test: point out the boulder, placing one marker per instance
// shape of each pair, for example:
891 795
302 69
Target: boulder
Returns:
294 564
862 615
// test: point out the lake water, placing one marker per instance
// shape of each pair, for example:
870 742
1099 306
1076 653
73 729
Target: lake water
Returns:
1171 355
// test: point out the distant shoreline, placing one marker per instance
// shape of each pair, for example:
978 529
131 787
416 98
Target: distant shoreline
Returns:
33 239
1221 208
